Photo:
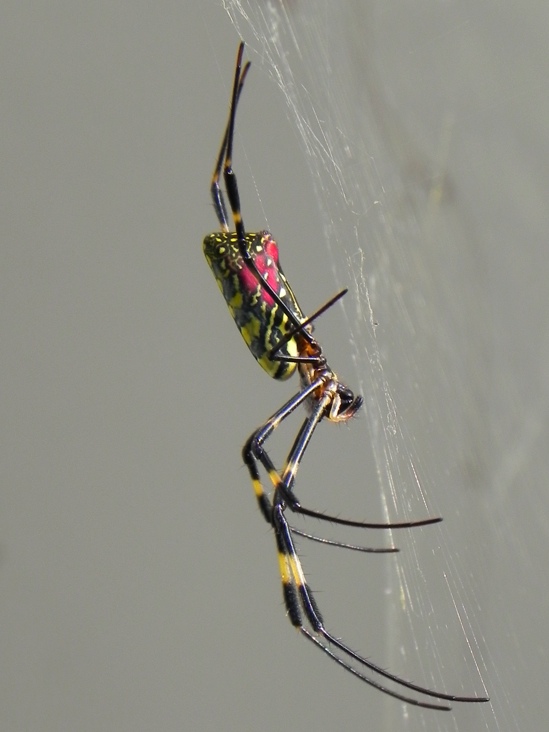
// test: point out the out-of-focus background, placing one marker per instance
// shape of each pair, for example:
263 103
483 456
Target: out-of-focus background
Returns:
398 149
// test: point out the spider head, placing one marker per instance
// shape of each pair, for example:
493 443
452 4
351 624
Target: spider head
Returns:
345 405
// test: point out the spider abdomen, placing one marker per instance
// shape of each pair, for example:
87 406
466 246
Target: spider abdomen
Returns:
260 319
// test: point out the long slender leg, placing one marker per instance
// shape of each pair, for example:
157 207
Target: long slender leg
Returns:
231 186
345 545
228 174
253 448
292 573
288 479
215 190
284 484
300 601
254 451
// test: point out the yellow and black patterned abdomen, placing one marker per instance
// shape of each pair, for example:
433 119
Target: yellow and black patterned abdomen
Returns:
259 317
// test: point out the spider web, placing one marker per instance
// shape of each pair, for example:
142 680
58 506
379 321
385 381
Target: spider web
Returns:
396 227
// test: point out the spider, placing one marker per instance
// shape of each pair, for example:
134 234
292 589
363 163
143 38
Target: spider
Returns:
247 270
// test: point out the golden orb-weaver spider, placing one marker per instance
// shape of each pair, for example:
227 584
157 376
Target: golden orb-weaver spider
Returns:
263 305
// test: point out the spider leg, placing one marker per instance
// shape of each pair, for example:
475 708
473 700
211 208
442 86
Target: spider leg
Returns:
300 602
298 598
216 193
296 507
344 545
322 540
286 489
231 184
225 161
253 451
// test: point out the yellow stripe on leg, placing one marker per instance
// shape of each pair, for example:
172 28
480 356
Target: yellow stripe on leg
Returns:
274 475
258 488
287 569
284 568
296 570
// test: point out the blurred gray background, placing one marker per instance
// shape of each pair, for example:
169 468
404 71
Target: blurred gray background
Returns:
398 149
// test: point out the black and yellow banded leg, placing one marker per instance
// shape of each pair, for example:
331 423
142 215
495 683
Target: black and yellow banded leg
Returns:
254 452
215 190
288 568
301 604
